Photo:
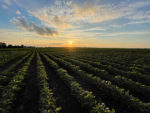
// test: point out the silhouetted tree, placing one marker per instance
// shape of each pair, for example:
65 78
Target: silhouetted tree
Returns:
10 46
3 45
22 46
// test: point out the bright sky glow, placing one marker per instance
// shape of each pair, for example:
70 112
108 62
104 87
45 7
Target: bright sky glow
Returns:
70 43
89 23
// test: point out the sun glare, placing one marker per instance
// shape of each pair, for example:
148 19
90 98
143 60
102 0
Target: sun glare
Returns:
70 43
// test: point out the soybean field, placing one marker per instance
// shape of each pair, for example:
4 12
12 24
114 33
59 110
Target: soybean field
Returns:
74 80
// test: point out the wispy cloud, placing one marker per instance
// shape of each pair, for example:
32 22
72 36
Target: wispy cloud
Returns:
54 20
140 15
138 22
21 22
94 29
4 6
86 20
132 22
123 33
8 2
57 15
65 14
86 9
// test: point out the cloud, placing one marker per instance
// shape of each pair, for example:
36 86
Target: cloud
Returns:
94 13
44 31
115 26
59 23
18 12
138 22
86 9
52 17
94 29
132 22
8 2
4 6
124 33
90 13
65 14
140 15
21 22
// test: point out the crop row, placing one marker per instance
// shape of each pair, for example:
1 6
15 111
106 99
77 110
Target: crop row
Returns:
133 75
6 75
136 88
119 98
9 92
86 98
46 100
126 67
136 76
10 68
7 56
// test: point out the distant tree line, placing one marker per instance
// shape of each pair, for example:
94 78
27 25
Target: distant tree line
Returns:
4 45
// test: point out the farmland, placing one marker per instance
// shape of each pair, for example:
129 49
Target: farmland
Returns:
74 80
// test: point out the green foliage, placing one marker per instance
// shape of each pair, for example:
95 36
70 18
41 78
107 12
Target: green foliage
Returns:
118 96
8 94
6 55
99 79
8 70
136 88
46 100
86 98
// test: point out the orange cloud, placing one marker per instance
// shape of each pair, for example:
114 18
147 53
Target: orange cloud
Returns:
55 21
87 9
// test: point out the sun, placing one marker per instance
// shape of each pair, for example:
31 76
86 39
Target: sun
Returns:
70 43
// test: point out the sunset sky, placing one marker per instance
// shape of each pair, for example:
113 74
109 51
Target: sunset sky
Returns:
76 23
